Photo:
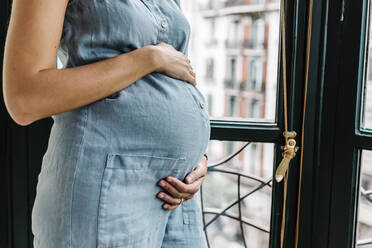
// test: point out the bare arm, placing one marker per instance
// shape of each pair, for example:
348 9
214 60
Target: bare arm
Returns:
32 85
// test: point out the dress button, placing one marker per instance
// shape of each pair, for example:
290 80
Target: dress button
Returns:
201 105
164 24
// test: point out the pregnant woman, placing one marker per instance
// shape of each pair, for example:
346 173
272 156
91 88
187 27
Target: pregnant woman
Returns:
129 122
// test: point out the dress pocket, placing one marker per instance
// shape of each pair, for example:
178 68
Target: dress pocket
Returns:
129 210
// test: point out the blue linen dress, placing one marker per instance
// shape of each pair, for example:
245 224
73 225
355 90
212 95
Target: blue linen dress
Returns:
97 185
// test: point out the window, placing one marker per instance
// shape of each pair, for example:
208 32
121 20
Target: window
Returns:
246 74
364 206
232 105
220 189
210 69
243 83
256 74
231 77
243 59
255 109
258 32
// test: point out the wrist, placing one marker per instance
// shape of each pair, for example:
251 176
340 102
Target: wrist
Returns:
154 57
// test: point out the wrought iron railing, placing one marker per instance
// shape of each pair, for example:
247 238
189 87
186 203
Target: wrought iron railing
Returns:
366 194
217 213
259 184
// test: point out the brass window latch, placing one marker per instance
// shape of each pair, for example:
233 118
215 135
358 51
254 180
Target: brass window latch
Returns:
289 152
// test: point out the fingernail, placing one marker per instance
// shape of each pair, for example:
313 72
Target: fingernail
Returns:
169 179
161 195
162 183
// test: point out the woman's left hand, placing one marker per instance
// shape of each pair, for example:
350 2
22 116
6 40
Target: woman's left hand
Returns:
177 190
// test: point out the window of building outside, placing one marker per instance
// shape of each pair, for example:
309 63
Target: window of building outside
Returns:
258 32
255 108
256 74
232 105
210 69
232 70
211 33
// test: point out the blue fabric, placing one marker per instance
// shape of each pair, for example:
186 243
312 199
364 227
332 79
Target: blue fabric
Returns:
97 185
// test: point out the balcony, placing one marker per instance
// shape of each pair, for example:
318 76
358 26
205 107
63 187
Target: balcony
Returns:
236 2
238 7
251 85
250 44
253 44
245 85
231 84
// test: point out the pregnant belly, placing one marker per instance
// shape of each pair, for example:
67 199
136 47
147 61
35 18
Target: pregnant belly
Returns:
155 115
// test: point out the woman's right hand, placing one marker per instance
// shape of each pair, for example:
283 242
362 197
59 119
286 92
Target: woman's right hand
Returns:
173 63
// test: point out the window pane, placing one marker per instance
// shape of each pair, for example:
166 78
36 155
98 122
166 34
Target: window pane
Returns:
364 228
234 52
251 169
367 110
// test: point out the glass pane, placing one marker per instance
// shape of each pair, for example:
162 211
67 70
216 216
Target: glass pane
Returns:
234 52
364 227
367 110
252 170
